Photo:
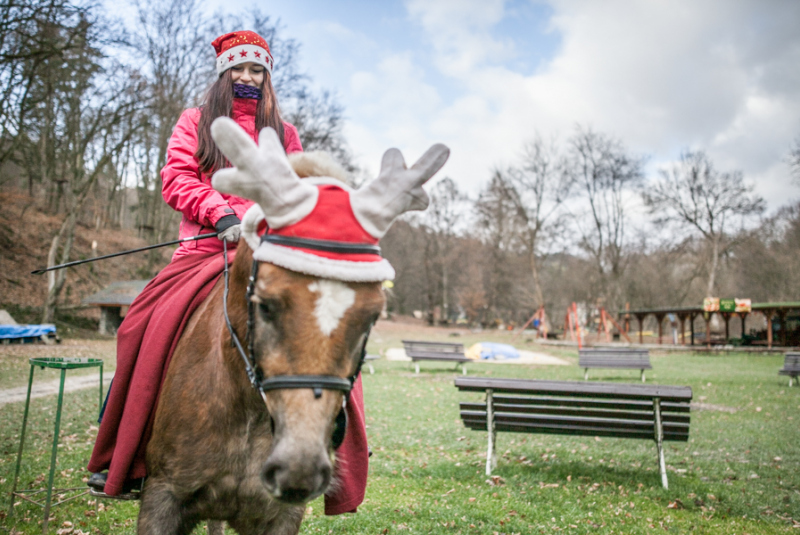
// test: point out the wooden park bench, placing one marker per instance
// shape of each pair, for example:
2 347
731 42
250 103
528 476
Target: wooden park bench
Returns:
655 412
439 351
613 357
791 366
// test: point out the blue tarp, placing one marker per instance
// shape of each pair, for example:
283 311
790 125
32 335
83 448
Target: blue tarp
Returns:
26 331
492 350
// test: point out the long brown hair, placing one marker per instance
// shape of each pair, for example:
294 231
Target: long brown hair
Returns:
219 102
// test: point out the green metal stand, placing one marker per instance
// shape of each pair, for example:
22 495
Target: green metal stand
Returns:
62 364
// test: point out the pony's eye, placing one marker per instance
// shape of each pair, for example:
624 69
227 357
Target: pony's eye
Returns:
269 309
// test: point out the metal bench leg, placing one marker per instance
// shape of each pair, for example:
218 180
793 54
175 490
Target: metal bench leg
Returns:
586 374
642 375
464 369
371 369
491 457
662 465
791 381
416 366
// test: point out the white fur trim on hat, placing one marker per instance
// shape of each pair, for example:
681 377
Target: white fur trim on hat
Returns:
326 268
242 54
250 221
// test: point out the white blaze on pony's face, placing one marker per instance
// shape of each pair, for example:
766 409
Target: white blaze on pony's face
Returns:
334 299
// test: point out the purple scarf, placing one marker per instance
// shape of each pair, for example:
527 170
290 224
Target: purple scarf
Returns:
246 91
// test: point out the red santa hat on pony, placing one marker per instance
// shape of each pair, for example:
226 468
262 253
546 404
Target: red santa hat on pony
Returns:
319 226
240 47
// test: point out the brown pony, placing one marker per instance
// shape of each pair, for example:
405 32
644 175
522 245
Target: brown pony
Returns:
222 449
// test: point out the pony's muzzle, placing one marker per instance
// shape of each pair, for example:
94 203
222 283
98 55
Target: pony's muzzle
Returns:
300 466
296 479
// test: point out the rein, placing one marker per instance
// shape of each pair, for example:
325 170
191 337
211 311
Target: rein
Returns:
317 383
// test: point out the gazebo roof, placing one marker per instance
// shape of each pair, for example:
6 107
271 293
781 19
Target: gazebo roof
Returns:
788 305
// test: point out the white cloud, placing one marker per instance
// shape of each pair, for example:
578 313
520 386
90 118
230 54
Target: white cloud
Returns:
460 32
662 76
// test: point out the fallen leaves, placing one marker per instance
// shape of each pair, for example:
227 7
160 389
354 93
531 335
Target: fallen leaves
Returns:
677 504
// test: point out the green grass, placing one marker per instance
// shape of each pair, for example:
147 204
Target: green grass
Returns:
737 474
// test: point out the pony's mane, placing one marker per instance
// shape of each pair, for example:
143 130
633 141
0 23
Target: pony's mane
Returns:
318 163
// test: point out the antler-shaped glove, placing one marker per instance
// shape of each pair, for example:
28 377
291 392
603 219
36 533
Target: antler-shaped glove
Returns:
262 174
396 190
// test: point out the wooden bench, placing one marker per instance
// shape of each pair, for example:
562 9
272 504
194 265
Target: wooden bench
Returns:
655 412
441 351
612 357
791 367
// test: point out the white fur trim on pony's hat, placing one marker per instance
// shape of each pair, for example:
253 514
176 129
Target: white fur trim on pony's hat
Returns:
327 268
252 218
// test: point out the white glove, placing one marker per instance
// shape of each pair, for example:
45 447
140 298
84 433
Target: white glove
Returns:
231 234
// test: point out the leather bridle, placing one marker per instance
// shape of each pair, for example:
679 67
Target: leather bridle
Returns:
317 383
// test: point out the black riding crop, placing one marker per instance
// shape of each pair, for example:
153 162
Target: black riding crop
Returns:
112 255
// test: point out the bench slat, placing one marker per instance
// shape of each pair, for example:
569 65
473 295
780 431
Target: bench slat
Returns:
573 388
581 431
641 415
440 347
791 364
433 356
629 404
576 421
616 364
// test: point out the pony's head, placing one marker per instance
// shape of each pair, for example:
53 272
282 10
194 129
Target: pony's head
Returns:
317 288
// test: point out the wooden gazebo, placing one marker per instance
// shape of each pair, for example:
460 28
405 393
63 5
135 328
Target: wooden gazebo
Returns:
769 310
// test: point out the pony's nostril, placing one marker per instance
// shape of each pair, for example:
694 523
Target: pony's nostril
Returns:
325 476
270 476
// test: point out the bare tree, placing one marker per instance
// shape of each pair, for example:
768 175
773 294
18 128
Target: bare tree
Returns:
440 223
694 195
538 188
91 120
35 36
175 44
319 119
794 160
498 228
606 174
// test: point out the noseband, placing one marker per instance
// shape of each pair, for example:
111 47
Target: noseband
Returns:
317 383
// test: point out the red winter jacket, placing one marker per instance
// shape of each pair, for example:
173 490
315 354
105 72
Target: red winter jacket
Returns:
189 191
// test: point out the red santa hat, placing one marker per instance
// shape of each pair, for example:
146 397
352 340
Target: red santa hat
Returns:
319 226
241 47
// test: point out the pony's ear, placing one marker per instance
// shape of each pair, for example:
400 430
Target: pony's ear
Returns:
396 190
261 173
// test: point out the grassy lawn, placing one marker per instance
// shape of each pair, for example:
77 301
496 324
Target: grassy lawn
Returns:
737 474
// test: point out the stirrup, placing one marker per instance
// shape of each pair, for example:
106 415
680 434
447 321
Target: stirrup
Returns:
133 495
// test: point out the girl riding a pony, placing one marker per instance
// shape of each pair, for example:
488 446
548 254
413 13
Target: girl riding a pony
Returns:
153 325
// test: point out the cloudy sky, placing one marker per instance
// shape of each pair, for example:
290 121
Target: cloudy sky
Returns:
484 76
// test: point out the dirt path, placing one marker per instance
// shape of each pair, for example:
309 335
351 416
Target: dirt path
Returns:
50 388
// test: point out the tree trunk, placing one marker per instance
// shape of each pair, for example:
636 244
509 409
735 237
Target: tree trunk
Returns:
57 278
712 270
445 282
537 285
